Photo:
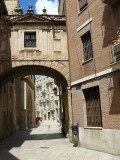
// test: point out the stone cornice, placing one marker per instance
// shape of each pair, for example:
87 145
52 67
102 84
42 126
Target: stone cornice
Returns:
35 18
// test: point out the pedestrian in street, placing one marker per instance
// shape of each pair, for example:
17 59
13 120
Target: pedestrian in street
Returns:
38 122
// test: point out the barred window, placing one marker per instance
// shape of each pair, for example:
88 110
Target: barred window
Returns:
87 46
83 4
30 39
93 107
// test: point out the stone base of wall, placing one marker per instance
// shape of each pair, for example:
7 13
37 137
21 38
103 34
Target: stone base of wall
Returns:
105 140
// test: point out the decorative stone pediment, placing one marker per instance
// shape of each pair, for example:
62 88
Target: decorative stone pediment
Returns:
33 18
30 18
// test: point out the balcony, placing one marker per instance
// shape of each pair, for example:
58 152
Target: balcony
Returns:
47 99
44 112
37 108
48 108
110 2
49 81
41 109
114 53
56 98
39 85
43 91
42 100
52 108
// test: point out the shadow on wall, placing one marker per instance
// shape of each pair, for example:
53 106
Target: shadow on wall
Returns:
114 94
110 22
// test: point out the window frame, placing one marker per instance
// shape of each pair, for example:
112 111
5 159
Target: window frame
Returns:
87 55
31 42
81 8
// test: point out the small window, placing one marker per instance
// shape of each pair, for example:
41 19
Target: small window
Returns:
83 4
30 39
87 46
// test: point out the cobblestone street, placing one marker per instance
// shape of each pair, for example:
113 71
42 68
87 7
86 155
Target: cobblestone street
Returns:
46 143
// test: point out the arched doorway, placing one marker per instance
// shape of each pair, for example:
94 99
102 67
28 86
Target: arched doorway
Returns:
61 81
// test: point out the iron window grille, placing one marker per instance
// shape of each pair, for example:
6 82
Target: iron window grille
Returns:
93 107
30 39
87 46
82 4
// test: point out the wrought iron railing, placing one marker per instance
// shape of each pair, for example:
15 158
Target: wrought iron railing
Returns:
114 52
30 43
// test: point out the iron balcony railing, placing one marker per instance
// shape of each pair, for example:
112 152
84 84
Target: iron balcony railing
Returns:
30 43
114 52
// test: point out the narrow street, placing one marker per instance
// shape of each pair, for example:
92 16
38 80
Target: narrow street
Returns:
46 143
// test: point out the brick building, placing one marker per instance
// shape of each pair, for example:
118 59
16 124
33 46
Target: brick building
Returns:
94 67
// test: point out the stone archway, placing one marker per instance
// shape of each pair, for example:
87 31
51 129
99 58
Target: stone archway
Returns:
62 79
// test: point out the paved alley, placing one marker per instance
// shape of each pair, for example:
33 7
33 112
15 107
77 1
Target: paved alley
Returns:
46 143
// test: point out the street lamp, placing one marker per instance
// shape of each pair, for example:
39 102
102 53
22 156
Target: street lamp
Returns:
55 92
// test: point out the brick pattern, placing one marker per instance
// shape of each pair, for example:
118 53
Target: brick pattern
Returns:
110 101
102 28
105 22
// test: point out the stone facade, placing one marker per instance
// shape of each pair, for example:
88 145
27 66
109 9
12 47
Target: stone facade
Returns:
27 115
17 105
46 53
101 21
47 103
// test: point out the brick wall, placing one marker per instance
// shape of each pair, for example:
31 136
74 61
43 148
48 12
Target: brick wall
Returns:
104 24
109 87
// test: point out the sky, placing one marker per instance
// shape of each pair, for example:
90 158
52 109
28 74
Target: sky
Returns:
36 76
38 5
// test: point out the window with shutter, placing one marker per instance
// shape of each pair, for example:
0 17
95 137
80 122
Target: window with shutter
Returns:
93 107
83 4
87 46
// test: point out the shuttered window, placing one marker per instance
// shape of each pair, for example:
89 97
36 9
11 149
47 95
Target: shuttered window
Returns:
83 4
93 107
87 46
